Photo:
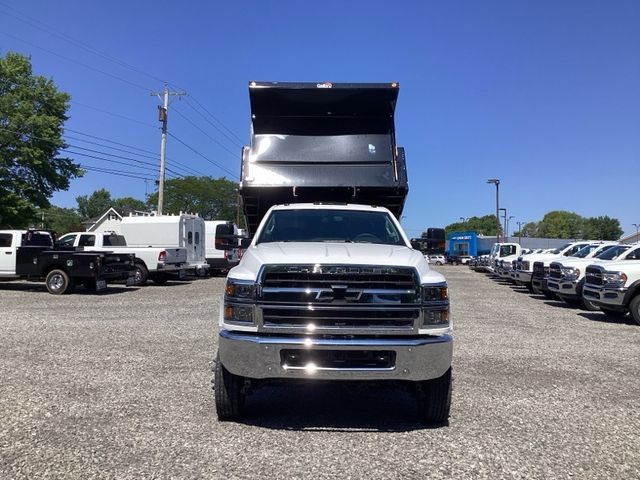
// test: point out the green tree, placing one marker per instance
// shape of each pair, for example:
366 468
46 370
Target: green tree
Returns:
601 228
61 220
131 202
211 198
560 224
529 229
32 114
94 205
485 225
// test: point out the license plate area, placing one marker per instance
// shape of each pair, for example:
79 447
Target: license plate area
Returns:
311 360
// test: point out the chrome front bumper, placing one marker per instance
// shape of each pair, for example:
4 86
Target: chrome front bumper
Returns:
606 297
564 288
260 356
522 276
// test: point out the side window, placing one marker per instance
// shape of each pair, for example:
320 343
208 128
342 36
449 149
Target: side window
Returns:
634 255
67 241
5 240
197 238
190 238
87 241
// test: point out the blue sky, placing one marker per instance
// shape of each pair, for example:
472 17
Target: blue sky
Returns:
544 95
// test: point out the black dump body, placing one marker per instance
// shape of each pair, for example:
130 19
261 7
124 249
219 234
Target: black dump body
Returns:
322 143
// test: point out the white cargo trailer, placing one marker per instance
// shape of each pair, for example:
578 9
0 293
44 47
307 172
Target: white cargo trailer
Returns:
184 230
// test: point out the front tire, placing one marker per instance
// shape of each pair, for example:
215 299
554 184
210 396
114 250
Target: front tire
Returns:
434 399
229 393
141 274
634 307
58 282
159 278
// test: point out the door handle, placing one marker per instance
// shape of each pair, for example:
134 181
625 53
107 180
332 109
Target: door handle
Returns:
8 253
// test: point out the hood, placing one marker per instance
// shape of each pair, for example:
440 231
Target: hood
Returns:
292 253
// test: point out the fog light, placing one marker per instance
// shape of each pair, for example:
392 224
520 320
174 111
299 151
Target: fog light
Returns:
432 318
238 313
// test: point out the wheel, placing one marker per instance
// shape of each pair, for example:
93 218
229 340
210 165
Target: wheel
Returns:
159 278
89 284
615 314
634 308
58 282
589 305
229 393
141 275
434 399
438 262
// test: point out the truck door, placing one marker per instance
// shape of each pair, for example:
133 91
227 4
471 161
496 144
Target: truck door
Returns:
189 240
7 254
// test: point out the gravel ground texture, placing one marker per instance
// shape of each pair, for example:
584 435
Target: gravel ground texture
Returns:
117 385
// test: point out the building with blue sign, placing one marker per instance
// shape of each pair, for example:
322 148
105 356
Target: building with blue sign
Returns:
470 243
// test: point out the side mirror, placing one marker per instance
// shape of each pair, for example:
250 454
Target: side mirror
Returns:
245 242
225 238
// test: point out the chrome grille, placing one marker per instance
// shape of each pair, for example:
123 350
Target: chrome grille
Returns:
333 318
339 298
538 269
555 271
593 276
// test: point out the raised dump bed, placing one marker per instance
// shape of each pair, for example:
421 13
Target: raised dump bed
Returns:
322 143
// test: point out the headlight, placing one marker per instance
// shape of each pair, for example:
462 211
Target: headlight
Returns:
439 293
614 279
435 306
238 313
570 273
241 290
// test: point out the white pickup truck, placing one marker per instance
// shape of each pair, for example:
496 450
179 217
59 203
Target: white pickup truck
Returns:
566 277
334 292
615 286
153 263
525 274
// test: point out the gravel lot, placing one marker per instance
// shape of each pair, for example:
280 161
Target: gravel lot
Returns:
117 385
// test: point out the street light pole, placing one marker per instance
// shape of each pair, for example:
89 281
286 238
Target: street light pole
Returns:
496 182
508 221
520 232
637 225
504 232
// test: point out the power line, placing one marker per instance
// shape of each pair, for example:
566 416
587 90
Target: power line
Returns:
228 137
206 134
241 142
233 175
133 84
178 166
115 172
75 102
46 28
146 168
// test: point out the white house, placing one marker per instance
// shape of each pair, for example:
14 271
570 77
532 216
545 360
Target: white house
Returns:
112 219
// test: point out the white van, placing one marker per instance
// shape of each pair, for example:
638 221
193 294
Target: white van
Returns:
182 230
220 261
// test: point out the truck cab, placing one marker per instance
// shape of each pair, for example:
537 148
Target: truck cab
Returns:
329 287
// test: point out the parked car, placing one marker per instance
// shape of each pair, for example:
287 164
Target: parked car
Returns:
31 255
437 259
170 231
153 263
566 277
615 286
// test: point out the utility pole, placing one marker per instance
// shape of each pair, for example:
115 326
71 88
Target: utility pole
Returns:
496 182
504 232
162 117
508 221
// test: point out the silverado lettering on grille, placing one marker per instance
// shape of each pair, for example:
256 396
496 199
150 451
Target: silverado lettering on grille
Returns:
339 299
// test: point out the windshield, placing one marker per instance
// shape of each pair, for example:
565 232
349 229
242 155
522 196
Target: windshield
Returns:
613 252
583 252
559 249
330 226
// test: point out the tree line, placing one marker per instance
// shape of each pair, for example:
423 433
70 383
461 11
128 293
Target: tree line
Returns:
554 224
